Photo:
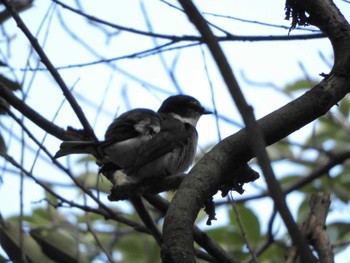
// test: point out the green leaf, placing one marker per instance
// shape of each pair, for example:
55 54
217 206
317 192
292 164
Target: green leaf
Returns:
331 129
344 107
303 210
93 181
41 217
274 253
249 221
280 150
339 232
300 84
227 237
340 185
58 244
290 179
9 240
138 249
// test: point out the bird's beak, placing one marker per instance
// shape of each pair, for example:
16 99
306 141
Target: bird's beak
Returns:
205 112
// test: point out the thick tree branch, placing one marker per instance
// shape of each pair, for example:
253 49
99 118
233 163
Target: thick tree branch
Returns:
200 237
255 138
19 6
208 174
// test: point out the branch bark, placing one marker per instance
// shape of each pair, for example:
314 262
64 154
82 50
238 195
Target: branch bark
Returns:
208 174
314 228
201 238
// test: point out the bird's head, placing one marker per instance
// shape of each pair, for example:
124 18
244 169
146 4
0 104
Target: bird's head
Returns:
183 107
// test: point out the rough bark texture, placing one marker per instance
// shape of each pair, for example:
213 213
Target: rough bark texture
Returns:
314 228
213 169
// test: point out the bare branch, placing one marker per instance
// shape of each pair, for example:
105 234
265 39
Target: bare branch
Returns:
19 5
241 227
146 217
200 237
34 116
228 37
206 176
256 143
45 60
102 210
314 228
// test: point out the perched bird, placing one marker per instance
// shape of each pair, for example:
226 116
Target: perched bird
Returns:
142 144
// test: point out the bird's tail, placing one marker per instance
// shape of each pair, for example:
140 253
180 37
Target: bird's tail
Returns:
75 147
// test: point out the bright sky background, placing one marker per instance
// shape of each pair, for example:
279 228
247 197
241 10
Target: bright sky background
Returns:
276 62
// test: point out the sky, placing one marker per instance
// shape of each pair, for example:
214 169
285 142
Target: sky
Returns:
260 67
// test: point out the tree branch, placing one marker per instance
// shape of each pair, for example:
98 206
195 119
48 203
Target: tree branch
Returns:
146 218
102 210
208 174
314 228
256 140
19 6
34 116
46 61
200 237
228 37
321 169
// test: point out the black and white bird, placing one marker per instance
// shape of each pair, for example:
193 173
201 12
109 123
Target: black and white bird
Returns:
142 144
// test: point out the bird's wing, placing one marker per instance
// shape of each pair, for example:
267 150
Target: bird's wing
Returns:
129 125
172 135
132 124
126 135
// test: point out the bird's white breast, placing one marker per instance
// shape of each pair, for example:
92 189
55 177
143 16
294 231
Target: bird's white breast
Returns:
189 120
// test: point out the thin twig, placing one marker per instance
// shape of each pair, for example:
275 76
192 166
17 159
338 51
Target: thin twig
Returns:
227 37
119 27
259 22
321 170
170 72
146 218
268 241
105 60
212 95
243 232
102 210
95 236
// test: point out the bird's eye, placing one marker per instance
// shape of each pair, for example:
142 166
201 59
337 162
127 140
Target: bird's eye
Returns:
195 105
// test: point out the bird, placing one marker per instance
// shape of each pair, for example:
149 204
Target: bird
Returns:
143 144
